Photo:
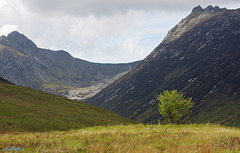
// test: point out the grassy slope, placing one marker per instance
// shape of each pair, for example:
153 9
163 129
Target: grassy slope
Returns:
137 138
222 110
32 110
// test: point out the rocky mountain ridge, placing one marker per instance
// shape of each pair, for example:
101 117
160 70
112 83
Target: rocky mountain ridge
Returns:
23 63
199 57
209 9
197 16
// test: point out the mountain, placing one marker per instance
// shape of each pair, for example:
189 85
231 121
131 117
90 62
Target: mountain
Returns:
200 57
32 110
23 63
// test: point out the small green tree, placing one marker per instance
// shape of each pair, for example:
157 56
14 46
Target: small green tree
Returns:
173 105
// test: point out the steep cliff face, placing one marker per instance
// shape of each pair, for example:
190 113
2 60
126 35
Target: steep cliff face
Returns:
23 63
200 57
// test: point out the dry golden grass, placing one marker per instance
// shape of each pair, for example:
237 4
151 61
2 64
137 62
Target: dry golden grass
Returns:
195 138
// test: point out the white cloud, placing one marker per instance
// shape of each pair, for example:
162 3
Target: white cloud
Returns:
98 30
133 47
110 7
234 6
7 28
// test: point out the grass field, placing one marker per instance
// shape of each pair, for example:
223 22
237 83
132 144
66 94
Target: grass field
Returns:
138 138
32 121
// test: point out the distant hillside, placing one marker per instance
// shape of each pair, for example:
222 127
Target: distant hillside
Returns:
32 110
200 57
23 63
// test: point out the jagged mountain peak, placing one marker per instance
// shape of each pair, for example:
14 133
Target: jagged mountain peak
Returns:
197 16
197 9
21 39
209 9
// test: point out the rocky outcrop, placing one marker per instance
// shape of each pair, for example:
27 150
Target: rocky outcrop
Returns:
197 16
209 9
88 92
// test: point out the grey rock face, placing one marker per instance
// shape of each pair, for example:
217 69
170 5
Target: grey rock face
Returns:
88 92
197 9
23 63
209 9
21 40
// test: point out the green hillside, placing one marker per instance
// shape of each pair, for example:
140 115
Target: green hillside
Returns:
32 110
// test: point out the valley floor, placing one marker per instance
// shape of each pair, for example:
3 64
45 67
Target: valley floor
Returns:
129 138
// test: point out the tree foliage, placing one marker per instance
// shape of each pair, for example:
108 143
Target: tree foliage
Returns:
173 105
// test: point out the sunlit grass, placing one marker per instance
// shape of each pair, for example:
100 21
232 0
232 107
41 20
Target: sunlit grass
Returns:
129 138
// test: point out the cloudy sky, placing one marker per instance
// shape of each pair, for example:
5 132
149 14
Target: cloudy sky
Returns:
106 31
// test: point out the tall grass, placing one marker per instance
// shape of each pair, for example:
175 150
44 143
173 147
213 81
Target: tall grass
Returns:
129 138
